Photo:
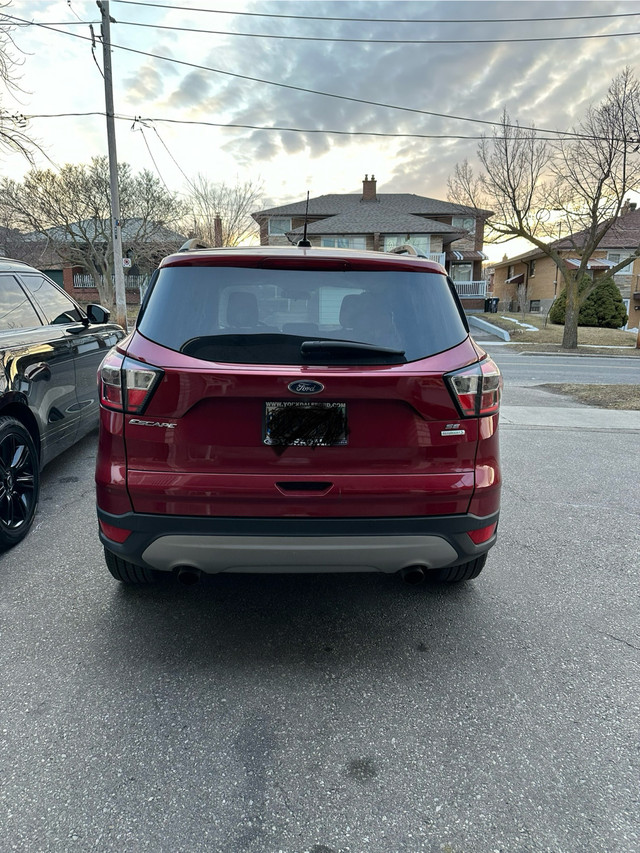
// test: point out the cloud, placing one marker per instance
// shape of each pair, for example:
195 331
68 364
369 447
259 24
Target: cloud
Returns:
192 90
549 83
147 83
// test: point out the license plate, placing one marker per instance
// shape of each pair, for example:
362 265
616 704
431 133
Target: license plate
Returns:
305 424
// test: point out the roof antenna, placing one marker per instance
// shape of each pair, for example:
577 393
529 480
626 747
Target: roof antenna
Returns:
304 243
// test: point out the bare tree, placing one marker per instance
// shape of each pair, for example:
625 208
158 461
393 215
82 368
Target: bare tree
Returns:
68 212
578 183
14 127
230 203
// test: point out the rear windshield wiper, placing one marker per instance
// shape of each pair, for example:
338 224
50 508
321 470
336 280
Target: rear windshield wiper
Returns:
355 349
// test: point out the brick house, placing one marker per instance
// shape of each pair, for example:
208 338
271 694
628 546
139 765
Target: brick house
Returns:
144 244
535 278
451 234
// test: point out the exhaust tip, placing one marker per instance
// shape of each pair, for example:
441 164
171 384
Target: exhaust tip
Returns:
189 576
413 575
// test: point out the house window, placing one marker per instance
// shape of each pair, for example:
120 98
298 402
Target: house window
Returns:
464 223
420 242
279 225
616 257
534 305
511 271
337 241
461 272
532 269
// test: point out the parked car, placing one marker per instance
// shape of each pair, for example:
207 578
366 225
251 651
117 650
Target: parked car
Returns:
51 349
298 410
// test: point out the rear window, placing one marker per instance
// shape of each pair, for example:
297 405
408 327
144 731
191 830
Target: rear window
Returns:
269 316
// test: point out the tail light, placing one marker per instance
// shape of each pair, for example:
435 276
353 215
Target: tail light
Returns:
126 385
476 389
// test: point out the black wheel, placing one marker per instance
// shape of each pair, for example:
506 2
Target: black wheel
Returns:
19 482
463 572
126 572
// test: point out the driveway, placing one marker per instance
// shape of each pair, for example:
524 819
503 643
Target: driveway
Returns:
337 714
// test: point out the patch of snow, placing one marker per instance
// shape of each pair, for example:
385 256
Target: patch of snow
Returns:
522 325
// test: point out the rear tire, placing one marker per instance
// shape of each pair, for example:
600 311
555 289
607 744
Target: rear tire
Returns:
126 572
19 482
463 572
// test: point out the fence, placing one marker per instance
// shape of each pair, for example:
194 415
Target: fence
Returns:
471 288
131 282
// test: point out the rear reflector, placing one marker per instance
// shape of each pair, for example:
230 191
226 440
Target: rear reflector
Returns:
482 534
116 534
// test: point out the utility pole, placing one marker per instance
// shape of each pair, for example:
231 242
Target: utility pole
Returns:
116 230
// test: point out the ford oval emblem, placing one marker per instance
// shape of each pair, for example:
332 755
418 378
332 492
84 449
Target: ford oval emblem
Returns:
305 386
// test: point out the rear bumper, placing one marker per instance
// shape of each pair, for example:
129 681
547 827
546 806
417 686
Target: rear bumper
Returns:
214 545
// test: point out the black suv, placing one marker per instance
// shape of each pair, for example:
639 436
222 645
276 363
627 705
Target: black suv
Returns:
50 349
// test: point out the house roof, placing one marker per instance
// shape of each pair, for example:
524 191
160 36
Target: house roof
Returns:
372 217
592 263
351 203
466 255
623 234
152 232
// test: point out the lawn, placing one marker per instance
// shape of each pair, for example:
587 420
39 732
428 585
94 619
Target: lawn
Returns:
549 336
601 396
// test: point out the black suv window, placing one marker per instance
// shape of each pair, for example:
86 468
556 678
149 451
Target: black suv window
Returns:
268 316
57 307
16 311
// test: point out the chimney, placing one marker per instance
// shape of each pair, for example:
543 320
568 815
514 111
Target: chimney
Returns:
217 232
369 189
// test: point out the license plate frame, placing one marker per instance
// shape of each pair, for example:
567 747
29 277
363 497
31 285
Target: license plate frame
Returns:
305 423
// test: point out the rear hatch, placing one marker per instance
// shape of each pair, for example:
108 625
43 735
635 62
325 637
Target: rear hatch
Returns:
264 396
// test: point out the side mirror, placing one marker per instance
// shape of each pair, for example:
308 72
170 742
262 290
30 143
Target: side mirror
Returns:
97 314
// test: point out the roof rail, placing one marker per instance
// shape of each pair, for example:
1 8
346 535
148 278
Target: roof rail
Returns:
192 244
405 249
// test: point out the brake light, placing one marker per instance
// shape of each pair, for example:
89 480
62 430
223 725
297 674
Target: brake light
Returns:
476 389
126 385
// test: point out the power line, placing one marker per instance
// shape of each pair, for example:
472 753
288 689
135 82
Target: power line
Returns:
140 129
291 87
278 128
178 166
380 20
349 40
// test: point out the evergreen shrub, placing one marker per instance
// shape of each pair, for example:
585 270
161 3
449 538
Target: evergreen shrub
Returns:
603 307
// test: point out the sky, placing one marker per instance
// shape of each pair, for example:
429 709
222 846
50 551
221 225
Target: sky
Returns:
183 73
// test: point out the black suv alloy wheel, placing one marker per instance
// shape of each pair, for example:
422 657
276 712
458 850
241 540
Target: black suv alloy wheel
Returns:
19 481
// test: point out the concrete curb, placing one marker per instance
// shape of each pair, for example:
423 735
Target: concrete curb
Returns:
583 418
485 326
580 354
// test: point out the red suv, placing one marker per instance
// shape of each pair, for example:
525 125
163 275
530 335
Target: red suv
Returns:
298 410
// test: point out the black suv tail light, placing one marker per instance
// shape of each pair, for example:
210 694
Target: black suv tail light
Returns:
476 389
126 385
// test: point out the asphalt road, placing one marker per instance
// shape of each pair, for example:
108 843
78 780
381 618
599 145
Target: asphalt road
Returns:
326 714
523 373
521 369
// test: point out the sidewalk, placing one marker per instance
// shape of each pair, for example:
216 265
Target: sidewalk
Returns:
560 417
